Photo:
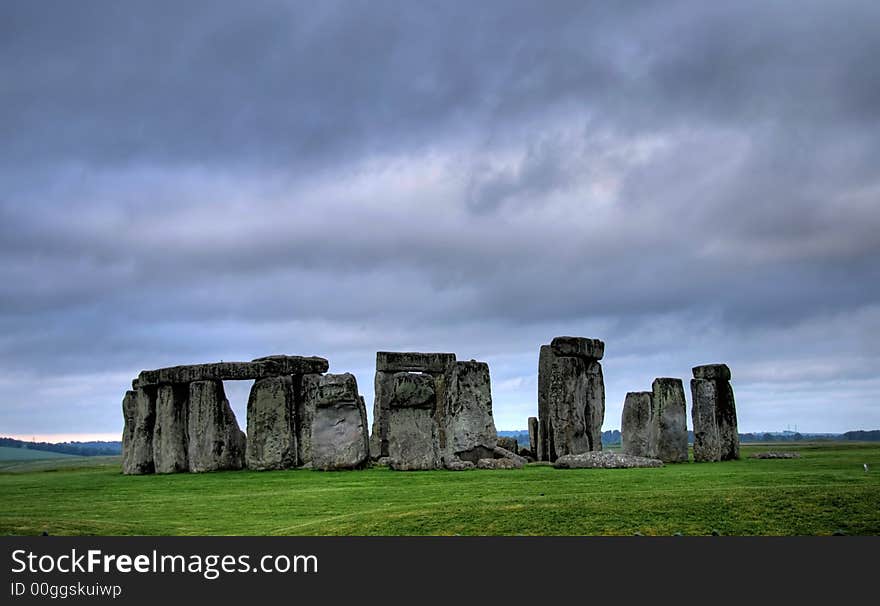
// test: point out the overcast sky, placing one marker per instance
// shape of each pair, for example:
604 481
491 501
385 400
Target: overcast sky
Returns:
692 182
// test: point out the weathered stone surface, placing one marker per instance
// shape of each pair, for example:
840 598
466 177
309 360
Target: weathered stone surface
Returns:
533 436
503 453
671 411
707 443
412 440
139 411
604 460
413 390
567 395
508 443
305 392
579 347
383 392
470 424
271 428
725 416
399 361
775 455
545 369
718 372
170 452
594 410
339 426
214 440
638 425
499 464
270 366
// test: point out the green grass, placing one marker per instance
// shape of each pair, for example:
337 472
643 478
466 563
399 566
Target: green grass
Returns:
26 454
825 491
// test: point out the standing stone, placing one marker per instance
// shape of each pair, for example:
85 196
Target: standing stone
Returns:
717 412
571 397
533 436
139 411
707 444
384 390
271 428
338 433
471 428
170 453
413 440
304 412
671 411
567 396
215 440
639 425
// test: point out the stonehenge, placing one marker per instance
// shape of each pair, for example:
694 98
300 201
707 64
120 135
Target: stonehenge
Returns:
654 423
716 436
430 411
571 397
178 419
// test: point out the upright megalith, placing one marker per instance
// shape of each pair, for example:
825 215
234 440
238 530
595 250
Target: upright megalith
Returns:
271 426
178 418
571 397
670 410
170 449
471 428
215 441
139 413
638 425
533 436
716 436
413 432
338 434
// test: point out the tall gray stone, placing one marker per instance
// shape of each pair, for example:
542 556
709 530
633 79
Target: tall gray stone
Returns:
139 411
215 441
170 451
413 436
383 391
638 425
533 436
338 430
271 424
471 427
571 397
715 407
707 442
671 411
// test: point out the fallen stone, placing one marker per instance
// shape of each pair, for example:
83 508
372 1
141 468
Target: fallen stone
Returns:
170 451
508 443
214 440
270 366
459 465
638 425
503 453
499 464
718 372
671 411
580 347
775 455
271 429
604 460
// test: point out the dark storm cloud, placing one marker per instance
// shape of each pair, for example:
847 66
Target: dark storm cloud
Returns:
689 181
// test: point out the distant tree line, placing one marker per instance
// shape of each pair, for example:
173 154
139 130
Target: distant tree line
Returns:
82 449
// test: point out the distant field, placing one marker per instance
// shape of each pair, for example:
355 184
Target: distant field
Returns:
25 454
825 491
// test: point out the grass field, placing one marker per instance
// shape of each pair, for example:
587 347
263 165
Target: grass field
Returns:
825 491
8 454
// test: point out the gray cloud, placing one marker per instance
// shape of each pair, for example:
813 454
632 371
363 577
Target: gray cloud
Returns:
688 181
